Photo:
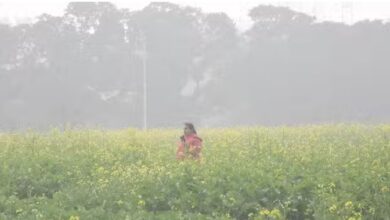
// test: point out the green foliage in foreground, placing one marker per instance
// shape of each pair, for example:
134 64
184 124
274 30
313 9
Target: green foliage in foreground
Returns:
310 172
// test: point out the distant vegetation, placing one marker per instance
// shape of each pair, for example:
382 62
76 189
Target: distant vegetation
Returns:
85 68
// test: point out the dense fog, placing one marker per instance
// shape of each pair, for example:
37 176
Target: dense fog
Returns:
89 68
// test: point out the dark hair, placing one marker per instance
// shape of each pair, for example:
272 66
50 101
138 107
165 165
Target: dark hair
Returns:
190 126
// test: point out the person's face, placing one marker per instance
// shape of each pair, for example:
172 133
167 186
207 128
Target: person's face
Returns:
187 130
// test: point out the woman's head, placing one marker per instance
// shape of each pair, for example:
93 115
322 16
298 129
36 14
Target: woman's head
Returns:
189 128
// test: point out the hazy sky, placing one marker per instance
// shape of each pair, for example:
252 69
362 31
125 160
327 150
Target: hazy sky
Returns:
349 11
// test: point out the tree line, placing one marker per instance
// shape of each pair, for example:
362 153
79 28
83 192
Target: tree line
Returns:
86 68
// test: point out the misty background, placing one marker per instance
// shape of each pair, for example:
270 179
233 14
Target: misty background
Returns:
86 68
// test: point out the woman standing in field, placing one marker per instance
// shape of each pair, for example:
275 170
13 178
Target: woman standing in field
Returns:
190 144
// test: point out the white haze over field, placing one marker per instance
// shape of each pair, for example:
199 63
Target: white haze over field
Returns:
349 12
215 63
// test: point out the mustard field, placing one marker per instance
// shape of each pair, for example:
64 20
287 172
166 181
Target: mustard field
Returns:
307 172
